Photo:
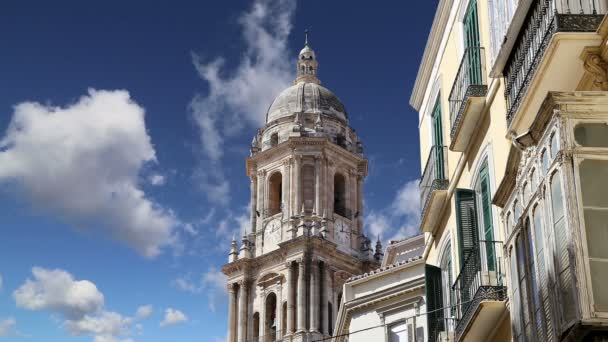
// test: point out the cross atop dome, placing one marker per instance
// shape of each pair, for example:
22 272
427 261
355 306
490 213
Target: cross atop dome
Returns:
307 64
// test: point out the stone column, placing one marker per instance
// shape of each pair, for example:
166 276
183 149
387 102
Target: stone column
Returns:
301 295
290 298
253 199
297 185
243 290
359 220
327 298
317 185
260 195
286 198
314 295
231 313
279 313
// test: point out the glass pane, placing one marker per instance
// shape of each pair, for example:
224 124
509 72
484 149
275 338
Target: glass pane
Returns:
554 147
599 272
596 226
594 186
591 134
545 161
556 198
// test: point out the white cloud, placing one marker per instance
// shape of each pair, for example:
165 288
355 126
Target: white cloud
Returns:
157 179
79 303
172 317
240 98
82 162
7 326
144 311
56 290
401 219
212 283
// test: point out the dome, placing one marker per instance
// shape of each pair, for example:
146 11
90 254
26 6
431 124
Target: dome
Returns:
305 97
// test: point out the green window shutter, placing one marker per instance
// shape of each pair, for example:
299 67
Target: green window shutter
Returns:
486 207
438 141
434 301
466 219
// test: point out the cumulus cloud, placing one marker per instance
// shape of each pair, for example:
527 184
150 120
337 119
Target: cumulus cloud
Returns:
399 220
82 163
241 97
144 311
173 317
212 282
56 290
7 326
78 302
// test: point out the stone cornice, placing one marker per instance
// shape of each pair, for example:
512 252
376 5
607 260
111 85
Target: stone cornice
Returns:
431 50
291 145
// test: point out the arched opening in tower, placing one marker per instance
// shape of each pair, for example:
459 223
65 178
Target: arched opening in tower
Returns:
274 139
271 318
275 193
308 187
256 326
340 195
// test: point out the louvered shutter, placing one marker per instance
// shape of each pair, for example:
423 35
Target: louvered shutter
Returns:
466 218
434 301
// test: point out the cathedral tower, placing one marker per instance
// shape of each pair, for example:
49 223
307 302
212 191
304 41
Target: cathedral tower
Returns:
306 237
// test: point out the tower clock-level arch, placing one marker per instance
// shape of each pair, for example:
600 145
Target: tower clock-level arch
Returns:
306 234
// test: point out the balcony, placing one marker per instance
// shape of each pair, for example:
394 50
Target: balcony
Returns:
479 292
467 98
546 54
433 187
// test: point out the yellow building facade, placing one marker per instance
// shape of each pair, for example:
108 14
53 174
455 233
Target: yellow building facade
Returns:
513 119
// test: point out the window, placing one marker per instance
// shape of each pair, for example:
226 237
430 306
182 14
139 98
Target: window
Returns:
524 290
595 209
502 12
591 134
544 157
538 324
517 332
487 232
541 270
339 195
564 273
398 332
434 301
533 180
554 146
446 276
275 193
274 139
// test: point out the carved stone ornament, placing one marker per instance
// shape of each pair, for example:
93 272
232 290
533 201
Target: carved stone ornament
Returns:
597 67
526 157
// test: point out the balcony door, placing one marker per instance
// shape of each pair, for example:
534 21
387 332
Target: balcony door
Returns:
471 43
438 140
487 228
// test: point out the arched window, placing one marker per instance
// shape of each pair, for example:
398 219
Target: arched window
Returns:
274 139
275 193
271 318
308 187
448 281
339 194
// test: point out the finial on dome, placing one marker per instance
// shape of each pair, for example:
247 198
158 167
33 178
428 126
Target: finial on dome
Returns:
306 37
307 64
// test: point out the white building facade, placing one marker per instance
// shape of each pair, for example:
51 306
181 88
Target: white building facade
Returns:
387 304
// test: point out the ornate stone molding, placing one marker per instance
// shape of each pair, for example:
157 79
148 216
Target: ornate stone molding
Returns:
597 67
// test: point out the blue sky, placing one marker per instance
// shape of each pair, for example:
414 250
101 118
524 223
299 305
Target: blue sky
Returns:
123 132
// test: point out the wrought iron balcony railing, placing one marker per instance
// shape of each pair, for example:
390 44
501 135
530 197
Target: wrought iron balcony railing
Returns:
480 278
470 82
435 175
543 20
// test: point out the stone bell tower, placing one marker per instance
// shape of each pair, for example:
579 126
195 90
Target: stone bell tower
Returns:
306 238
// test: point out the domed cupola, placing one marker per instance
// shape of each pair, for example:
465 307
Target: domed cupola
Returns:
307 64
306 95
